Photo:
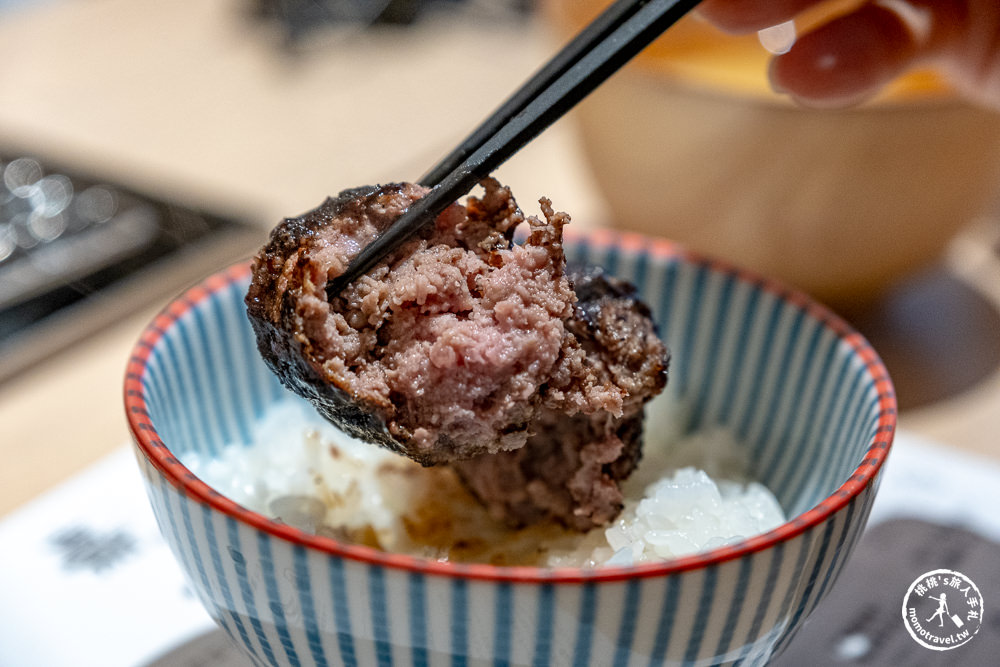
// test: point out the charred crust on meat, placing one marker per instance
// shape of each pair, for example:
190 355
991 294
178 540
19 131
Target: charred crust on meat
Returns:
463 346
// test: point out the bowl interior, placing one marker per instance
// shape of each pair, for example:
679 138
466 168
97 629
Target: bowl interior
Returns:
800 390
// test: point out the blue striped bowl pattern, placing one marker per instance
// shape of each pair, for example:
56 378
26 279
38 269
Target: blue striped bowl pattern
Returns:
804 392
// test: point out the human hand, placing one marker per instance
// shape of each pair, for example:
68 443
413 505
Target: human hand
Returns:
850 58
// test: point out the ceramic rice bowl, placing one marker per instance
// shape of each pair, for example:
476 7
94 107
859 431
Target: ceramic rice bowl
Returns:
804 393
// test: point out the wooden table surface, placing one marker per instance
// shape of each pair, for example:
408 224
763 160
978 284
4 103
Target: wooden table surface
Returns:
193 99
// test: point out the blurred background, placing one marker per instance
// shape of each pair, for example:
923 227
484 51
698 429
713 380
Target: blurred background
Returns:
145 144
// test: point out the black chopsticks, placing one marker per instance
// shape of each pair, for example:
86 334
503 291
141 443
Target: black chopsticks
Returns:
587 39
606 44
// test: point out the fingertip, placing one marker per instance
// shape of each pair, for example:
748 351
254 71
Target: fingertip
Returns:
844 62
793 78
812 97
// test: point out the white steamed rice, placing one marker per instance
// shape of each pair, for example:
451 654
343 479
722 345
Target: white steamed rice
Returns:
690 493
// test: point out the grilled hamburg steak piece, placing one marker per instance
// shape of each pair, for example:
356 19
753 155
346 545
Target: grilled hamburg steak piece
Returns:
461 344
571 466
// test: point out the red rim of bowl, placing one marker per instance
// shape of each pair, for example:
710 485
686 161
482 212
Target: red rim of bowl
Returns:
158 453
